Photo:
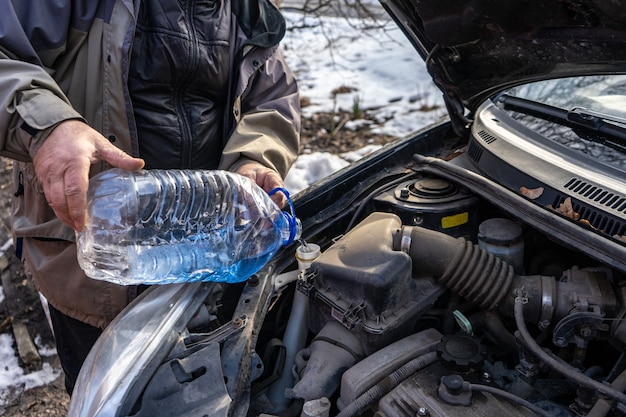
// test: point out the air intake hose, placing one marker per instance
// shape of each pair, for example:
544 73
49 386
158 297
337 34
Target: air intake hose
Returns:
457 264
477 275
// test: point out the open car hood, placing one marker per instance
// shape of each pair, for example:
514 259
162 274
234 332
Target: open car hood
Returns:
475 48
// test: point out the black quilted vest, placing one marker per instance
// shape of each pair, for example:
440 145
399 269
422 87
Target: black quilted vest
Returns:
178 81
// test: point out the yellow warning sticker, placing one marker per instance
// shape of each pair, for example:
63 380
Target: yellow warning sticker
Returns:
454 220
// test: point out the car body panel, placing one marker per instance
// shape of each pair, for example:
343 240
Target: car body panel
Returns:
475 48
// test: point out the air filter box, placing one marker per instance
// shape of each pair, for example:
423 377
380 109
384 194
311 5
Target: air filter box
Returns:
363 283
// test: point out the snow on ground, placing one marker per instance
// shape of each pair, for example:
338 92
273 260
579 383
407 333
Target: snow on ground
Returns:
12 375
380 67
381 71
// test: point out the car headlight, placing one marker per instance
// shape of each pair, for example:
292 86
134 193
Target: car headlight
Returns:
132 347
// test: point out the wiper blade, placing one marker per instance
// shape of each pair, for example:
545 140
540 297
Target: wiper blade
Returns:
611 129
593 119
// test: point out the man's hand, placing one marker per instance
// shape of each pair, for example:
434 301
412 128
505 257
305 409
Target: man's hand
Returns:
265 178
62 167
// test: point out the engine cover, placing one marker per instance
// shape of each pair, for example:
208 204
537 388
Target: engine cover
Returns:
420 391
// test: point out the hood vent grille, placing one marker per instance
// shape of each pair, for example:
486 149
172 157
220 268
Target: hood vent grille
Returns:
487 137
474 151
597 219
597 194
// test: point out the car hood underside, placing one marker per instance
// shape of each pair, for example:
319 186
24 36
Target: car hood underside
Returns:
475 48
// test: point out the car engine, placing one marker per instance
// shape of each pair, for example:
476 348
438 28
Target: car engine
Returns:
425 308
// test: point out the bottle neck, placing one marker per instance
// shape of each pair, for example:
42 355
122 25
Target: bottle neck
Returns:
291 228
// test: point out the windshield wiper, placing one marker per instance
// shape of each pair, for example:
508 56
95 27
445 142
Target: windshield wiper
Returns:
611 129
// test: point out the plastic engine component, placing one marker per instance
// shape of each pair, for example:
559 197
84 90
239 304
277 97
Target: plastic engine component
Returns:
363 283
420 392
461 353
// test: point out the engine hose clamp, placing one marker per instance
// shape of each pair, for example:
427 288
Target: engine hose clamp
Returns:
405 240
548 295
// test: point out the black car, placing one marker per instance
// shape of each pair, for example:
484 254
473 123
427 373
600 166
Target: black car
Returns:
475 268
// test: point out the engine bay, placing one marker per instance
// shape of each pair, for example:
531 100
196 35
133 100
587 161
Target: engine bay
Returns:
433 303
429 307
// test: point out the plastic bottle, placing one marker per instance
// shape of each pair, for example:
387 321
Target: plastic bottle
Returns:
169 226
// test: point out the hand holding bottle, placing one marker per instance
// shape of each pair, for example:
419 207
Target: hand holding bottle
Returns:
266 178
62 167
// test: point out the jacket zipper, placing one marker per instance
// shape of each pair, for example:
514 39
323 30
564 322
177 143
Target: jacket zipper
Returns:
186 131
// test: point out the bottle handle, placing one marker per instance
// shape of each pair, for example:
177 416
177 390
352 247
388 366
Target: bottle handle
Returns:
290 217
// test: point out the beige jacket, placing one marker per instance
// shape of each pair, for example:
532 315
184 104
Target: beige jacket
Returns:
71 62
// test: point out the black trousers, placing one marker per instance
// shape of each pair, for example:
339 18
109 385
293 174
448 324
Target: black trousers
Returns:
74 340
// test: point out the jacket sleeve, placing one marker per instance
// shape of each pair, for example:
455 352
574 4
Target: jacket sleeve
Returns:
268 126
31 102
